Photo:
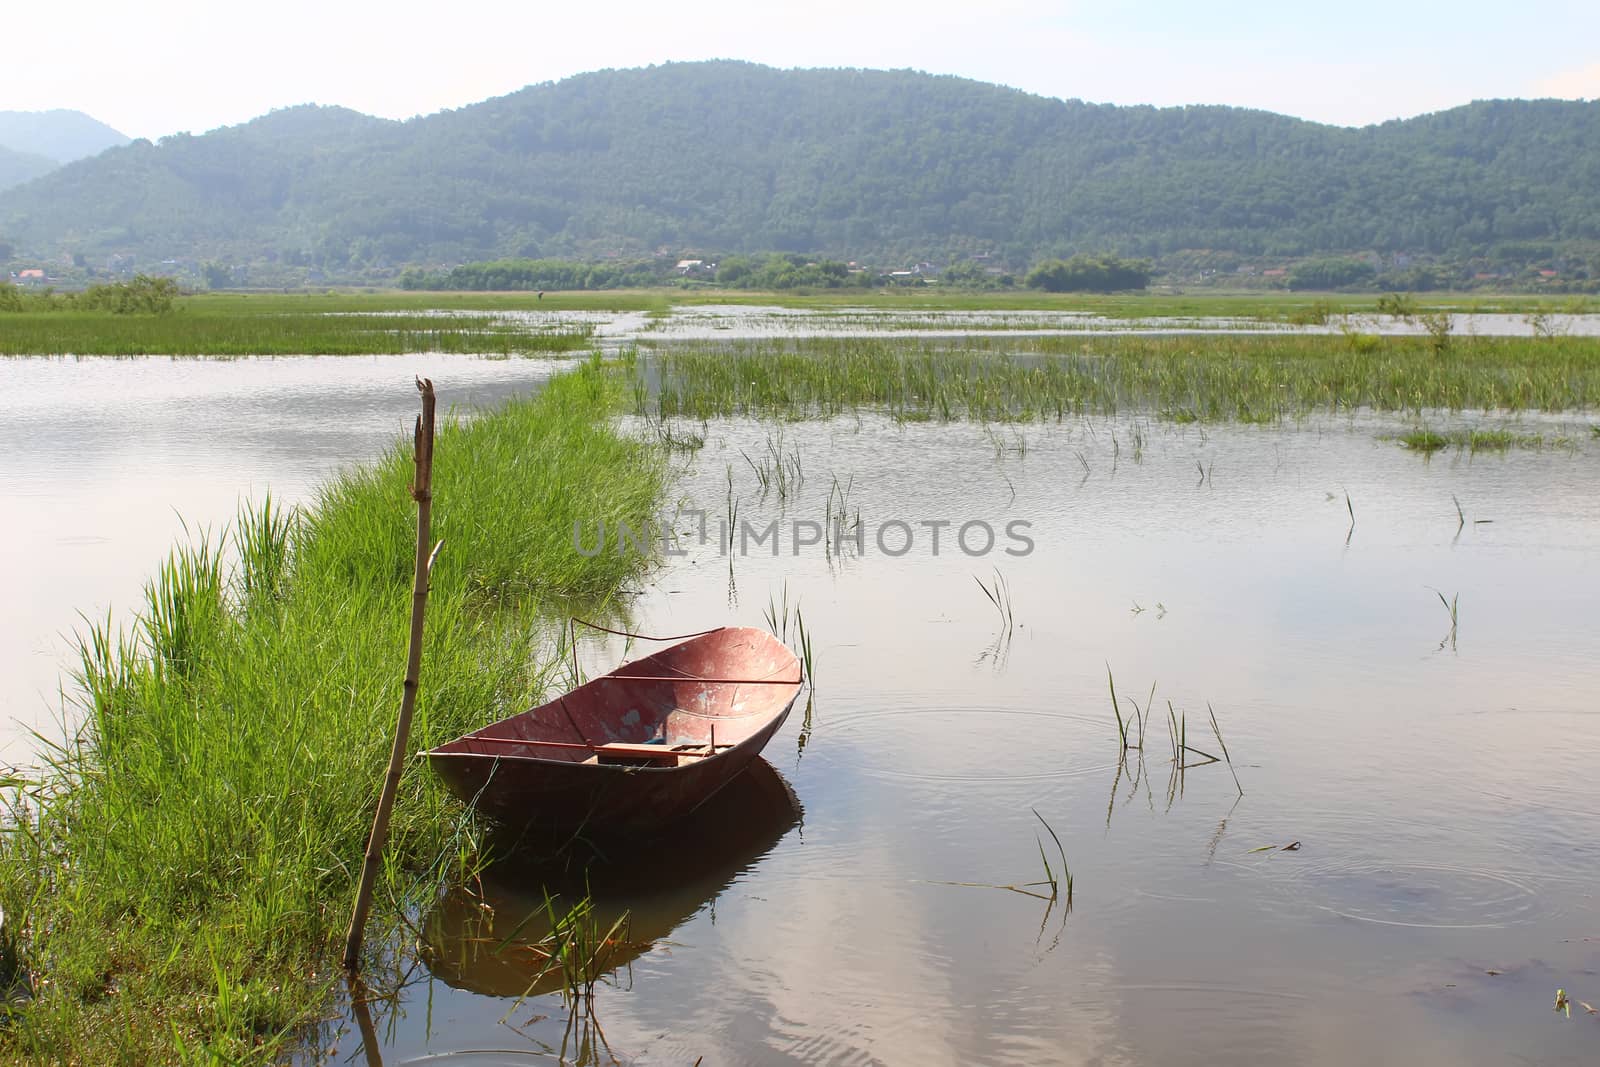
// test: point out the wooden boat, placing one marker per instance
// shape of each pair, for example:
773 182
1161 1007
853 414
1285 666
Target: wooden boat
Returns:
636 748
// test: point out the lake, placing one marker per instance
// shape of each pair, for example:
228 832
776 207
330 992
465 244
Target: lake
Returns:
104 461
1434 777
1433 767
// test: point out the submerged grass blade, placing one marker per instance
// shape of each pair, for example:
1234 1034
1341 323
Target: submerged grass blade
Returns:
1122 726
1066 874
1217 730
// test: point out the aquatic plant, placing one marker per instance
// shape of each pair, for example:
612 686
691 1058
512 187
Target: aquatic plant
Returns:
1452 606
1058 882
779 616
998 593
1425 441
1138 718
1177 738
1478 440
1217 731
779 470
576 949
839 519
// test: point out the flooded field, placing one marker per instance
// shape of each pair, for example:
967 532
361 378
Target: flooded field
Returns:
718 322
1397 646
1432 770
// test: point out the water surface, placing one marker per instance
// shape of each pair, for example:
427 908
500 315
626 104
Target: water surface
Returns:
1438 783
1438 779
104 462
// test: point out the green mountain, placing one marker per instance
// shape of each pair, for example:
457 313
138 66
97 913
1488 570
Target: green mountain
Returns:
731 157
18 167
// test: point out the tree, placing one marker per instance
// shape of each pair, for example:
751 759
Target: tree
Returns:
1086 274
1332 274
144 295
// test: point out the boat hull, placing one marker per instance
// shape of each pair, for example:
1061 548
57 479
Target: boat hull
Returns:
633 750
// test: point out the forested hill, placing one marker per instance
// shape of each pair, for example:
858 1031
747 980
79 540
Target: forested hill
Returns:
729 157
18 167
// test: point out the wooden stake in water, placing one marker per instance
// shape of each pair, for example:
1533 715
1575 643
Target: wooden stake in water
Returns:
422 493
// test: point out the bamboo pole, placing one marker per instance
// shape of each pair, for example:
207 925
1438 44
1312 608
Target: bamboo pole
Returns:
422 493
359 996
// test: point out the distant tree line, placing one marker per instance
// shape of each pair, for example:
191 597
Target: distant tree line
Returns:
531 274
774 271
143 295
791 271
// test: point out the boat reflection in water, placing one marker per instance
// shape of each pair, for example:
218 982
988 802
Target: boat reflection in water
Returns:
494 942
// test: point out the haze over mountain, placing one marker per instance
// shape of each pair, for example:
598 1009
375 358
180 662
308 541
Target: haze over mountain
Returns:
18 167
59 135
730 157
35 142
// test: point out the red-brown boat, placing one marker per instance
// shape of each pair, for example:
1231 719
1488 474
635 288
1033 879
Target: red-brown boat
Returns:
633 749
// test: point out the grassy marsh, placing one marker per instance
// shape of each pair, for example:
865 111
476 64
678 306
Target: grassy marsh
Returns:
1266 306
1223 378
178 876
377 321
217 331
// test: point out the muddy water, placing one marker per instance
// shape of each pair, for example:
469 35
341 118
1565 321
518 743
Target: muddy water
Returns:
1439 783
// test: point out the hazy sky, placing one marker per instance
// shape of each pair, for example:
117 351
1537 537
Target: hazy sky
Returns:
162 66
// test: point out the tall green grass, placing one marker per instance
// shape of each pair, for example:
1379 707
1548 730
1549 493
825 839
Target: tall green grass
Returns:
1185 378
178 877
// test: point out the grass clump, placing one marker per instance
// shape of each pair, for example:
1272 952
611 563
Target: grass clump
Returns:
1474 440
178 876
1425 441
